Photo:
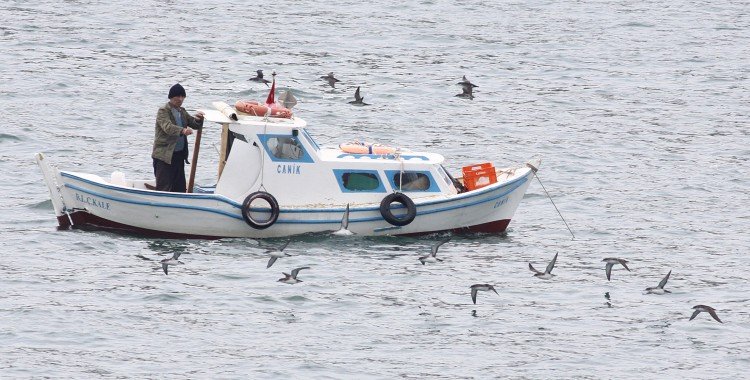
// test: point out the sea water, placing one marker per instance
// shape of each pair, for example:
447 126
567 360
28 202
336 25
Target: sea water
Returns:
639 111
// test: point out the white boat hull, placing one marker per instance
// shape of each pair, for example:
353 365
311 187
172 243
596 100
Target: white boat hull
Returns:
85 200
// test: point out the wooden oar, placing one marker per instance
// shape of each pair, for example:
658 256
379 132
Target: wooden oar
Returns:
196 149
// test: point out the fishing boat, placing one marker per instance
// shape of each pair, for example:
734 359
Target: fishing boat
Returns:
274 180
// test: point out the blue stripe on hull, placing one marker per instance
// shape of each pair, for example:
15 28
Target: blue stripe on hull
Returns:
152 204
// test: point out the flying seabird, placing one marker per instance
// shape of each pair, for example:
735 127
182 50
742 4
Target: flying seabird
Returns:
708 309
483 287
547 274
466 93
259 78
466 82
171 261
659 289
292 278
330 79
276 253
358 99
344 230
431 257
611 261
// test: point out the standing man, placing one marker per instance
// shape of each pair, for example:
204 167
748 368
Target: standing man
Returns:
173 125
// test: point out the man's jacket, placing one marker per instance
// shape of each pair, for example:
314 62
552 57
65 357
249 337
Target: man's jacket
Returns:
167 132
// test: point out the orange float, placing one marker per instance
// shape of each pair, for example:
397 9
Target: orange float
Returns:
254 108
366 148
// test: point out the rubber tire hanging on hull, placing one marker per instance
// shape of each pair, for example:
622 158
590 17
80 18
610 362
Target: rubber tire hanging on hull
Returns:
385 209
249 218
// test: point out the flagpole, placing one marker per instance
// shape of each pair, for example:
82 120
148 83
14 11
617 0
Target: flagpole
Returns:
270 99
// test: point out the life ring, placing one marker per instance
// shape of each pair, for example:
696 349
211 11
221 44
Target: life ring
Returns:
257 109
366 148
263 224
385 209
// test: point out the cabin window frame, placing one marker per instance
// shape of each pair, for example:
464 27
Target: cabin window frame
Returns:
444 175
310 139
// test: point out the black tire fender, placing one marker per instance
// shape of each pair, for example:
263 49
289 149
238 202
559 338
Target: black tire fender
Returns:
403 199
263 224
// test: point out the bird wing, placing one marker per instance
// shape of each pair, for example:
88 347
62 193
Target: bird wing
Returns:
284 245
467 83
664 280
713 314
474 295
608 268
625 264
551 264
356 95
434 248
695 313
531 267
296 270
271 261
164 266
176 255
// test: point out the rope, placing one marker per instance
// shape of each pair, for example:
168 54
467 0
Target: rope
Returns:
553 203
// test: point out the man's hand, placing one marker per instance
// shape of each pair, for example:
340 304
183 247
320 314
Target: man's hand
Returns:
187 131
199 116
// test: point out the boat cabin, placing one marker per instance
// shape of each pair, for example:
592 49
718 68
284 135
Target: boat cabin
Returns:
279 156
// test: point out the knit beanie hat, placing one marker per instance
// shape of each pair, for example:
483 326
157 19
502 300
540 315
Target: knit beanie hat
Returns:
176 90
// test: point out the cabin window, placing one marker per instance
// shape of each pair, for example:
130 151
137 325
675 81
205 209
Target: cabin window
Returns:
444 175
412 181
285 148
359 181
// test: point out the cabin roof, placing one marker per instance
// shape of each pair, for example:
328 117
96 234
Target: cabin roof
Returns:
332 153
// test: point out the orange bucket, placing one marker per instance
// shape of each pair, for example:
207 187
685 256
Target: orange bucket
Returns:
479 175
